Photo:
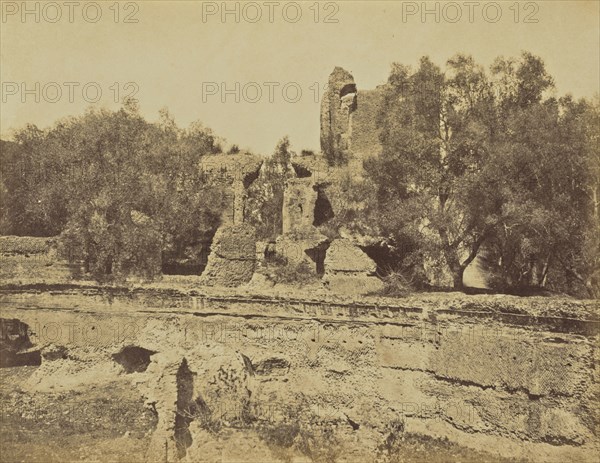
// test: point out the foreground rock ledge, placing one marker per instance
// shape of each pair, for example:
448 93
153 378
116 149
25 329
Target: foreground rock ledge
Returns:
518 375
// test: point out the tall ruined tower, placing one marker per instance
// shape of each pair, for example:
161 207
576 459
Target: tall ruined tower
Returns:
349 120
339 101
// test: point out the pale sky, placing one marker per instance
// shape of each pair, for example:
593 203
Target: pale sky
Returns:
172 53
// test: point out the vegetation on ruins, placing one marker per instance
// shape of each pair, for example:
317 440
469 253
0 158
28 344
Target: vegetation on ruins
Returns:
233 150
478 162
300 431
265 195
475 162
280 271
125 194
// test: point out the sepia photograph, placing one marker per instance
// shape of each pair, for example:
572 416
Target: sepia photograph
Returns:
355 231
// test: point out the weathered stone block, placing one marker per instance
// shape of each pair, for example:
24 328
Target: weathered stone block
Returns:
233 256
309 248
348 270
537 365
344 257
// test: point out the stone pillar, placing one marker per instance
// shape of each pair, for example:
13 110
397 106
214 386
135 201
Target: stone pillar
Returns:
239 202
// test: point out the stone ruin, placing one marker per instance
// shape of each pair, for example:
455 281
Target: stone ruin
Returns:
348 128
349 131
348 270
232 259
337 106
348 134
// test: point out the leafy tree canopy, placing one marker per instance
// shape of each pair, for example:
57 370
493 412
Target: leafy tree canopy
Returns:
478 160
125 194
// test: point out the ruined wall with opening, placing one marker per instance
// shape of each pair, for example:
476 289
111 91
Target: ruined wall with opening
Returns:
339 101
349 116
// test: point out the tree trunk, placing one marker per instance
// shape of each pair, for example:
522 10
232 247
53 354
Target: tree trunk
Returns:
455 267
452 259
458 277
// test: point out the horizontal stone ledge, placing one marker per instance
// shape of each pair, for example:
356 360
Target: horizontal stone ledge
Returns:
163 300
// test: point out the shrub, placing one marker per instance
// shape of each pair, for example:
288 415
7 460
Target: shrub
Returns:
301 431
389 450
24 245
280 271
319 443
280 438
265 195
396 284
127 247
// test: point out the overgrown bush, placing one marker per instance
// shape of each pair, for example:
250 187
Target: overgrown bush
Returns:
281 271
265 195
396 284
124 194
280 438
388 451
319 443
300 431
400 446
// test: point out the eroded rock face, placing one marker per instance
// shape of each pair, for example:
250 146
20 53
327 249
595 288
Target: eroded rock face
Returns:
518 374
349 270
75 369
309 247
233 256
192 392
299 200
338 103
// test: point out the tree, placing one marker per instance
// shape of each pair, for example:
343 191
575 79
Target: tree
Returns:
434 148
33 202
544 154
472 161
234 149
192 204
126 195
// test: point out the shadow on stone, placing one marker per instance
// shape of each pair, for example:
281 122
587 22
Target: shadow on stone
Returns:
15 345
134 359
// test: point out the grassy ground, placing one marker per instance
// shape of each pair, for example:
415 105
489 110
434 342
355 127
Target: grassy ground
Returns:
108 423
